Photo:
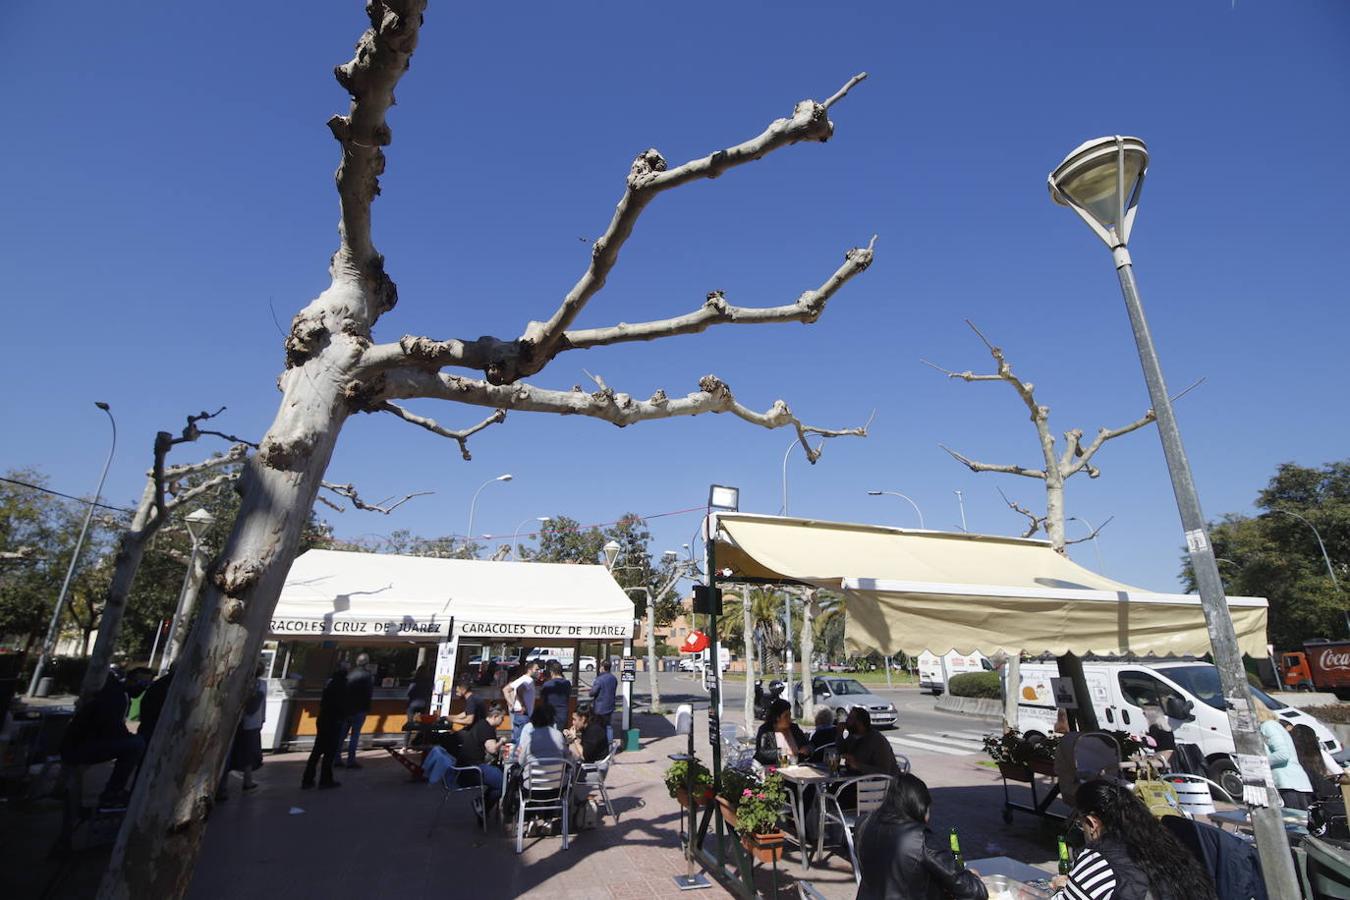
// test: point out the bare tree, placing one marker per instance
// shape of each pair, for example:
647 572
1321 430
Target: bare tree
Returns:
334 369
1057 467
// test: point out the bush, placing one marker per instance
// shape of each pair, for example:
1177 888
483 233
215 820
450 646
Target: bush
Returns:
1339 713
976 684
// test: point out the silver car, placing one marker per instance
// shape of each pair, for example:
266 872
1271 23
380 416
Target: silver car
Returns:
842 694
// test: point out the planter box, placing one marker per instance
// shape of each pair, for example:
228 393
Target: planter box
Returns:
703 799
1014 772
764 847
728 812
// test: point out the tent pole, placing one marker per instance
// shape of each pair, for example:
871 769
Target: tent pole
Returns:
1071 667
1012 690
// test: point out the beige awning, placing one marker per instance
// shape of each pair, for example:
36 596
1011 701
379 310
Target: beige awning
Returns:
909 591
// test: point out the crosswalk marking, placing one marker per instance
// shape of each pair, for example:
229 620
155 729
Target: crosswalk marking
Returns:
952 743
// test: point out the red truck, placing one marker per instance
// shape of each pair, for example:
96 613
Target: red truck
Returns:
1321 665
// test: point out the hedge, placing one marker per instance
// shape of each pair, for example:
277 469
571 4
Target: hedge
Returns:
976 684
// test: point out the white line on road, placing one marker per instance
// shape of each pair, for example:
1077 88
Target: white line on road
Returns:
912 744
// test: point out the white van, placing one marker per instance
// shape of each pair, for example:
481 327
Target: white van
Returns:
933 677
1186 691
564 655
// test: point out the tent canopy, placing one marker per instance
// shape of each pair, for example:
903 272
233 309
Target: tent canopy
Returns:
910 591
330 593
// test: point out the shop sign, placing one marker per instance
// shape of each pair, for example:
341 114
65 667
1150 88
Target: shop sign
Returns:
518 630
628 669
361 627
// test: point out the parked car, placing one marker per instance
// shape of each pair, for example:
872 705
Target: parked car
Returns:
688 664
842 694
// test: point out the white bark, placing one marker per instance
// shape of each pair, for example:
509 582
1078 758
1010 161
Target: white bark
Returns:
807 642
332 370
748 631
1056 468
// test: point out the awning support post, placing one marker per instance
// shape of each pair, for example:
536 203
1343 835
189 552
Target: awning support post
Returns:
1085 717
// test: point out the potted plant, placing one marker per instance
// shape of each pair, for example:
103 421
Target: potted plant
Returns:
736 783
757 817
678 777
1019 757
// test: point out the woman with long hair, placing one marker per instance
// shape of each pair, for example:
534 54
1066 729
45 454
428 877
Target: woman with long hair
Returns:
779 738
1129 854
1316 762
898 861
1291 781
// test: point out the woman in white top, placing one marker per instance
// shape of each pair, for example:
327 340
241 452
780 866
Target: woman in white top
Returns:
540 738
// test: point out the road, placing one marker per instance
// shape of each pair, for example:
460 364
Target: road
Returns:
922 730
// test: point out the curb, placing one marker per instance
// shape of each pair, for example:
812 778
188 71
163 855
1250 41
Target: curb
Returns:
980 707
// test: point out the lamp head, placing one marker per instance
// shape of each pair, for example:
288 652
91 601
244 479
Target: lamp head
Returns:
506 477
199 521
612 549
1101 181
726 499
874 493
101 405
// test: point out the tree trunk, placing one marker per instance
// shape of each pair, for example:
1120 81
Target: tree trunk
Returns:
807 645
655 687
1054 511
749 633
130 550
165 821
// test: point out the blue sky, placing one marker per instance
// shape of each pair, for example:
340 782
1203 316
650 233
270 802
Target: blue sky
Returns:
169 200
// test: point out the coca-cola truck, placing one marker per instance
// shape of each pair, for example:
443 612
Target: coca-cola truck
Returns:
1323 666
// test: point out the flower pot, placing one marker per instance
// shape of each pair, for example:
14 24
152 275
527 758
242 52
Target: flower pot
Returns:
1014 772
701 798
728 811
764 847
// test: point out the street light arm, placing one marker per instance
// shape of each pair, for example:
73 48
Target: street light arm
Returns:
1331 571
1095 531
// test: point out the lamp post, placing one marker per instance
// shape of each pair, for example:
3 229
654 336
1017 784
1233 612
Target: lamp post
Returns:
720 499
961 502
786 454
1325 558
515 536
49 643
902 497
1101 181
473 504
198 522
1092 530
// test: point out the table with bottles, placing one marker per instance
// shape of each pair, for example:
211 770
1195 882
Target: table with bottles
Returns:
798 778
1007 879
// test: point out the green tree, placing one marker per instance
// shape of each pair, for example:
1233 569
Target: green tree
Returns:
1276 556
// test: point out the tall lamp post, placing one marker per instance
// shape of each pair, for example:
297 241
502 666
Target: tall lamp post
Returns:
786 454
1325 558
1101 181
198 522
515 536
902 497
473 504
49 643
720 499
1092 531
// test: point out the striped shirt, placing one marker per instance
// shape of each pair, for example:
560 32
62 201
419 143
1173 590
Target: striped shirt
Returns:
1091 878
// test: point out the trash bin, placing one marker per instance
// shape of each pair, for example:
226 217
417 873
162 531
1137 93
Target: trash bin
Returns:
44 686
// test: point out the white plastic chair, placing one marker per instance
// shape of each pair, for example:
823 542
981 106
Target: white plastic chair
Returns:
870 791
545 786
591 777
1196 793
450 785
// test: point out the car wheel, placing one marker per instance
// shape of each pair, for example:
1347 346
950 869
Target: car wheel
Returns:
1225 773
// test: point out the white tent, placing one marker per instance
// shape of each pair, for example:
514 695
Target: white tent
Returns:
929 590
333 594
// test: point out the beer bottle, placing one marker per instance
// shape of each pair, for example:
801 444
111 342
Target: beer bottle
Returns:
956 850
1063 856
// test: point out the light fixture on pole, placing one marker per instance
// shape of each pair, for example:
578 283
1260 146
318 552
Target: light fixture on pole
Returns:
53 629
611 549
721 498
902 497
786 454
724 499
198 522
1101 181
473 504
516 535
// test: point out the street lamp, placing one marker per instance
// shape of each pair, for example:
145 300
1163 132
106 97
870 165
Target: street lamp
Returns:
516 535
1101 181
902 497
1092 532
473 504
49 643
611 549
198 522
1323 547
786 454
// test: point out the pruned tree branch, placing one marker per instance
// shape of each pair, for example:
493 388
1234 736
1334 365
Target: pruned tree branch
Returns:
462 437
713 396
1096 531
504 362
976 466
1035 523
349 492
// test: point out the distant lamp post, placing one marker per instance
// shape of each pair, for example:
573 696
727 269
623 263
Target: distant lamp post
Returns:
611 549
53 629
473 504
1321 546
198 522
516 535
1092 533
1101 181
902 497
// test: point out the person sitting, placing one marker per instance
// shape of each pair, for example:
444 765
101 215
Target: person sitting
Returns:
863 749
474 709
826 732
897 858
586 739
98 732
1129 855
540 738
779 741
478 743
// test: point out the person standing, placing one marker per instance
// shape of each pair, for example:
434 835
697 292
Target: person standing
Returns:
152 704
360 691
246 751
328 740
1293 784
557 692
420 691
603 690
519 696
98 732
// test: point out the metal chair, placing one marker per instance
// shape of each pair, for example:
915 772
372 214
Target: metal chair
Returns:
545 786
591 776
870 790
1196 794
450 784
902 762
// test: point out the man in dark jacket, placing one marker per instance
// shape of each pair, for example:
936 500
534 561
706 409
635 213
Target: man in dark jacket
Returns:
152 704
98 733
865 750
557 692
360 691
328 740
